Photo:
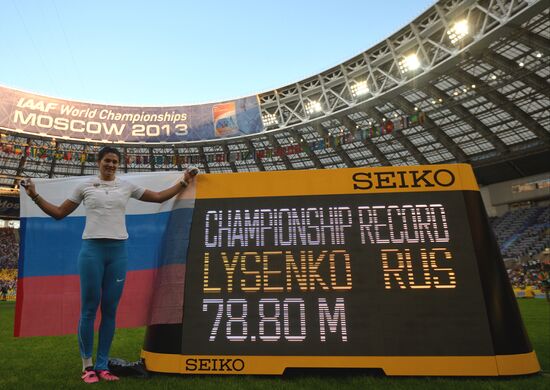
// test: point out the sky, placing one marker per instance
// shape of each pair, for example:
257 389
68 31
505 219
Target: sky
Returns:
168 52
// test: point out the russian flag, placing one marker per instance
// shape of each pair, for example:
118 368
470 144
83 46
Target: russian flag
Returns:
48 287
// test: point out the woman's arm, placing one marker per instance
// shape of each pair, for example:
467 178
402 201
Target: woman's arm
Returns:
162 196
57 212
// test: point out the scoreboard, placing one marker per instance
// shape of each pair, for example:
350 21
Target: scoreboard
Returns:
393 268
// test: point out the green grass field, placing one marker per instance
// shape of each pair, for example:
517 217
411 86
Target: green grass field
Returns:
54 363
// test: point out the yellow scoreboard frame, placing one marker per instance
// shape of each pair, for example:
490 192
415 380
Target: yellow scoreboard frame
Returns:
392 268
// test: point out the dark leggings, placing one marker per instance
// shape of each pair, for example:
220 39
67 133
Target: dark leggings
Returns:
102 268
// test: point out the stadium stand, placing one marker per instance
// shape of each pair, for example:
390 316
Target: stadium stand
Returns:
481 98
531 278
523 235
524 231
9 253
9 250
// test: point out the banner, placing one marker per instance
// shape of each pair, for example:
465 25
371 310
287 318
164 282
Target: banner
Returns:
48 295
53 117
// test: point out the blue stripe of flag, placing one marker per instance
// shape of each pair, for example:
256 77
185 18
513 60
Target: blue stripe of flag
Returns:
50 247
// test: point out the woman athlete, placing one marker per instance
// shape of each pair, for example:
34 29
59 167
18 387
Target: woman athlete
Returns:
103 255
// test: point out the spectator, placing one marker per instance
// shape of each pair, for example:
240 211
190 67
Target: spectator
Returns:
9 253
9 249
532 275
4 292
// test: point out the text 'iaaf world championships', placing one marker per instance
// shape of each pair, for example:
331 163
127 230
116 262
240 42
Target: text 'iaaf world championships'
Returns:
69 118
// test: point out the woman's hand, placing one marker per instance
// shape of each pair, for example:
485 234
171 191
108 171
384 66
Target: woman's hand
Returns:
190 174
29 187
58 212
162 196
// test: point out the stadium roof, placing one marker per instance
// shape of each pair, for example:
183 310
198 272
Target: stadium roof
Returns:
466 81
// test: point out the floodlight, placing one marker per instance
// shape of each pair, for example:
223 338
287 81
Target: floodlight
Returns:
269 119
359 88
313 106
410 62
458 31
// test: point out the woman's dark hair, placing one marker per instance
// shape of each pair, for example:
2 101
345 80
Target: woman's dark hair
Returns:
108 149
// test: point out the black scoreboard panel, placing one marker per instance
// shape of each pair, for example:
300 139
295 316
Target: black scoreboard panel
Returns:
334 275
351 276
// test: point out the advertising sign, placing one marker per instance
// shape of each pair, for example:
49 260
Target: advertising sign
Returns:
52 117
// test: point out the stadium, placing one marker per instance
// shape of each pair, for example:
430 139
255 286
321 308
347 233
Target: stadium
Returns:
466 82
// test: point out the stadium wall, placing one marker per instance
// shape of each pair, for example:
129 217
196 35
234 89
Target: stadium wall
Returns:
498 197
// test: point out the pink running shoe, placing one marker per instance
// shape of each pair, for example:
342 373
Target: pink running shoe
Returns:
107 376
89 376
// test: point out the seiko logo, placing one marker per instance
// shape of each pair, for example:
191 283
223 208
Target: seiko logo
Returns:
403 179
205 364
